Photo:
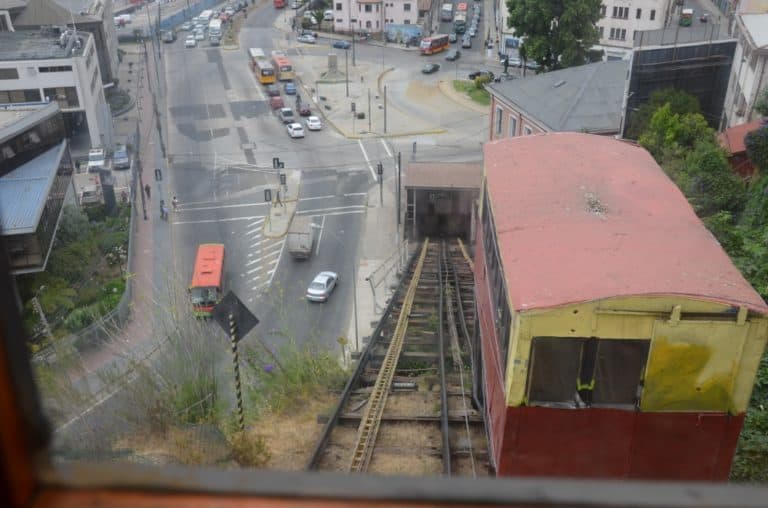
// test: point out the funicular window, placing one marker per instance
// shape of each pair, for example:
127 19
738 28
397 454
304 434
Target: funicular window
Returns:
579 372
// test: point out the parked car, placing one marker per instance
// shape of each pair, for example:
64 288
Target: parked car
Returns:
342 44
121 159
452 37
466 41
532 65
309 17
290 88
314 123
304 109
190 42
272 90
186 26
322 286
430 68
276 102
472 31
286 115
513 60
477 74
452 55
96 159
306 38
169 36
295 130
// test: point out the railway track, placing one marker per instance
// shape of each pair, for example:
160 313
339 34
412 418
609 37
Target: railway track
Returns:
408 407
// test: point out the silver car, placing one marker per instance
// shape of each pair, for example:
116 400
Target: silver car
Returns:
322 286
121 159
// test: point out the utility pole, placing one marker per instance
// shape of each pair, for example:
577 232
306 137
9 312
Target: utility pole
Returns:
369 110
354 302
385 109
346 69
353 46
380 169
399 176
238 390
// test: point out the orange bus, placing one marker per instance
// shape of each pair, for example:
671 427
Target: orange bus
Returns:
434 44
284 68
264 71
205 291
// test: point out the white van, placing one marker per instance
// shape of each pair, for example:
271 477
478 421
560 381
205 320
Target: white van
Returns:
328 16
214 27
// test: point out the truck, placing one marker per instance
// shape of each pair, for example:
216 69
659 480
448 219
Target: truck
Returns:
214 27
279 4
446 12
300 237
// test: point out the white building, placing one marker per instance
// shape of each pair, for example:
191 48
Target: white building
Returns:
42 66
748 73
622 18
372 15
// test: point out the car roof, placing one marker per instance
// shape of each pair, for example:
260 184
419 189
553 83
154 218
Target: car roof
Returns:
294 125
313 117
324 276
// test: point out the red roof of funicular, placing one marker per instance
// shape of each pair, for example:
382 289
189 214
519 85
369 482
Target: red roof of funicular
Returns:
582 217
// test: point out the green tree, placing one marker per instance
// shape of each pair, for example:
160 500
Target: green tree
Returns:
712 186
761 105
757 148
671 134
558 33
680 102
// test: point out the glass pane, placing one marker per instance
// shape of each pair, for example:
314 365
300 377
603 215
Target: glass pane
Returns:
620 366
554 369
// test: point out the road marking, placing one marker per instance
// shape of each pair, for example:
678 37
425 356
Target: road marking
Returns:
330 196
231 219
239 205
255 278
254 230
279 257
331 214
273 261
270 247
332 209
385 146
350 194
254 245
367 160
256 222
253 270
320 236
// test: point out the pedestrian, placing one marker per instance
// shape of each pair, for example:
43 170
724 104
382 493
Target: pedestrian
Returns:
147 189
174 203
362 78
277 199
163 211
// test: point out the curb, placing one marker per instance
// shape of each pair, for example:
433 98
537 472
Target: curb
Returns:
268 220
125 109
446 87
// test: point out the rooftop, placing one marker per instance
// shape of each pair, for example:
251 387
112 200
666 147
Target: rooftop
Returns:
584 98
39 45
757 27
10 116
581 217
23 192
444 175
732 139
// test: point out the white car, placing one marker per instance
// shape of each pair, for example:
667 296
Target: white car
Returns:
314 123
277 52
190 42
306 38
295 4
322 286
295 130
199 35
308 16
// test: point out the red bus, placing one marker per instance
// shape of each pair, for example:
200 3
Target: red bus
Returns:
434 44
462 7
205 291
279 4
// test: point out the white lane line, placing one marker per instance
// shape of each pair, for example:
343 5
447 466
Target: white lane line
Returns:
279 257
249 263
367 160
385 146
350 194
271 272
256 244
252 231
256 222
273 261
252 270
330 196
239 205
320 236
270 247
255 278
212 220
333 209
331 214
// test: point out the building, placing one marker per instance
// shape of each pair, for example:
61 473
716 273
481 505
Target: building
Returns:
373 15
93 16
41 66
621 19
749 72
618 339
733 142
35 174
587 98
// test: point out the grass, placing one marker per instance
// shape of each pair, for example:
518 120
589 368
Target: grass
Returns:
479 95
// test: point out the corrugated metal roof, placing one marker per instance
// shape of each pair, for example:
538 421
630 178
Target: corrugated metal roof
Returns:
732 139
585 98
444 175
582 217
757 26
23 192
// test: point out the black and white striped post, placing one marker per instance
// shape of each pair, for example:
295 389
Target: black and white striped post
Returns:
236 361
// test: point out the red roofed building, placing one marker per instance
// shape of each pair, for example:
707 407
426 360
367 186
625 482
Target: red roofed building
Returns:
618 338
732 141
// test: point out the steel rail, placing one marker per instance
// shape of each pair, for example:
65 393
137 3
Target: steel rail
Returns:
369 426
441 363
352 382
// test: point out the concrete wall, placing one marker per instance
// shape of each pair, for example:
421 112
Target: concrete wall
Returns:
381 14
748 78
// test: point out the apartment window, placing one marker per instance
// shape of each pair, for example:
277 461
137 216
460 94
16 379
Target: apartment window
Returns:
527 131
59 68
499 119
600 31
66 96
368 8
602 10
615 12
620 12
653 14
20 96
406 7
377 8
367 24
512 126
338 6
12 73
407 22
623 34
638 13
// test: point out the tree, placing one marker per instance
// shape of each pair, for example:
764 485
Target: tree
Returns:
761 105
756 143
680 102
557 33
671 134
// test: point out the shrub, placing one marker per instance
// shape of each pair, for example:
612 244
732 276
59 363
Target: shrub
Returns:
96 213
80 318
481 81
